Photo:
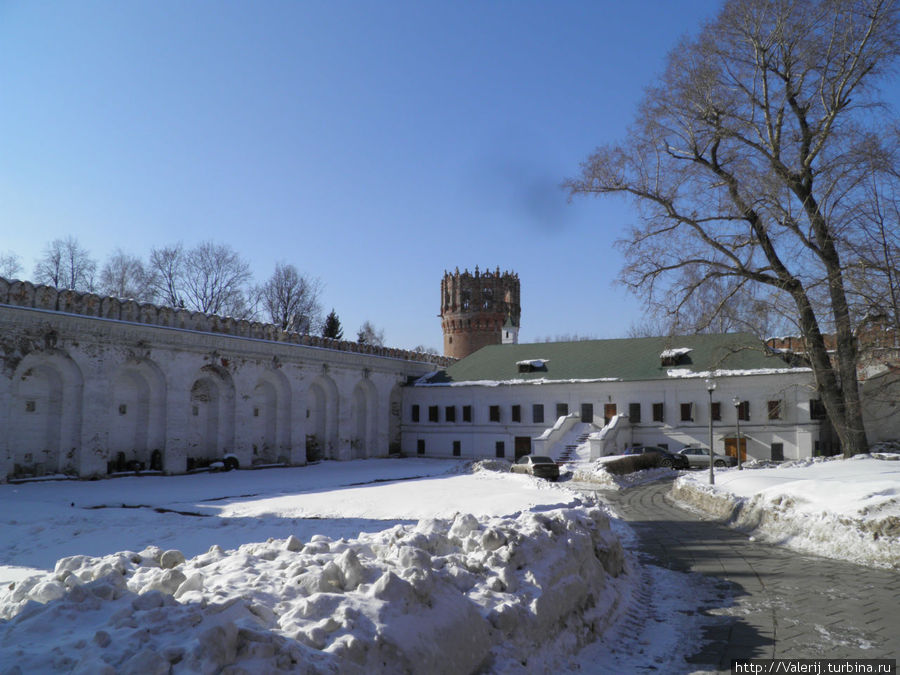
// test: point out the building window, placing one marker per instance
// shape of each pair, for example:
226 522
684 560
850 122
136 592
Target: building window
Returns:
716 411
562 409
774 410
467 413
634 413
658 411
415 413
30 406
195 411
420 446
450 413
816 409
494 413
255 411
777 452
500 449
517 413
743 411
537 413
687 412
457 448
432 413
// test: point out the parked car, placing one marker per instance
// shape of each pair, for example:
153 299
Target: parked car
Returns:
536 465
699 457
667 459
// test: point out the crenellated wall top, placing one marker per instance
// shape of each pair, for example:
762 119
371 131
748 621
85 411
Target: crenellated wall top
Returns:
25 294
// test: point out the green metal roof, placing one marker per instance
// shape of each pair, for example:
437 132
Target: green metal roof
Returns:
620 359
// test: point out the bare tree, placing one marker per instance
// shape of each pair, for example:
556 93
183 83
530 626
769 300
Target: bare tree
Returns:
747 162
10 265
124 276
66 264
369 335
291 299
215 280
166 269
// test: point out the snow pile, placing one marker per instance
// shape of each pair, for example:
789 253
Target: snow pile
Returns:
841 508
596 473
441 596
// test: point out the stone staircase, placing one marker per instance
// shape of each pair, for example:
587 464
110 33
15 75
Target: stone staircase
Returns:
569 454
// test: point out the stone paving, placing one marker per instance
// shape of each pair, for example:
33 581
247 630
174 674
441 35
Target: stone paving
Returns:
776 603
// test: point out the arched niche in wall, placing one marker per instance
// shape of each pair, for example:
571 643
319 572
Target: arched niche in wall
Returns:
271 421
137 417
45 415
322 419
211 421
363 426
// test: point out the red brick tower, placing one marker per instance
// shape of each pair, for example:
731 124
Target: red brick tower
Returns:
478 310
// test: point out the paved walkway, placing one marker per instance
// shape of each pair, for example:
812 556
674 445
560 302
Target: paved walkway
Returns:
782 604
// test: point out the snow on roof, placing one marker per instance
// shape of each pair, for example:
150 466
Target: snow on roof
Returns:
687 372
534 363
498 383
675 352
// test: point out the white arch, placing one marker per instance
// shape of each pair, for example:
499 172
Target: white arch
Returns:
363 427
137 415
322 418
45 414
212 411
271 427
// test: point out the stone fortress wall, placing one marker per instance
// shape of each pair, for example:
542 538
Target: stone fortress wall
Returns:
91 386
25 294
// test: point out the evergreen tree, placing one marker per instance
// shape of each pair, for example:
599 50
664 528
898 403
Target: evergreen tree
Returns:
332 328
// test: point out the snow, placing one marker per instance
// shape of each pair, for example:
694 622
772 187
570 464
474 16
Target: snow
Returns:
422 382
534 363
402 565
841 508
406 565
725 372
675 353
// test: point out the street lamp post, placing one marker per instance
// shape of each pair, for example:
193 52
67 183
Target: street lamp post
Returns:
737 416
711 387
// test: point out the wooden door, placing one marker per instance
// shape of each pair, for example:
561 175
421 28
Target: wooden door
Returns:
523 446
609 411
731 447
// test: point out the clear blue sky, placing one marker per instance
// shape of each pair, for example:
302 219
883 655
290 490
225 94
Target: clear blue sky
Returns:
372 144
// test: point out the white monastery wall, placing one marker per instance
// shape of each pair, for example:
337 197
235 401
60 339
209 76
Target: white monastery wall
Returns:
114 382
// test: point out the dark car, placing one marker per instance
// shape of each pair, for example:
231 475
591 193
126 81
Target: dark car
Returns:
667 459
699 457
536 465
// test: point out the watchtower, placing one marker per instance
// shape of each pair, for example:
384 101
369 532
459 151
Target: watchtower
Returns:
478 310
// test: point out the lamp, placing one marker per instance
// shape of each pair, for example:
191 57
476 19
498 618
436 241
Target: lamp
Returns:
711 387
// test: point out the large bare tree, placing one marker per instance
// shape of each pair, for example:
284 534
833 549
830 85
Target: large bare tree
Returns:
65 263
215 280
291 299
10 265
747 162
166 268
125 276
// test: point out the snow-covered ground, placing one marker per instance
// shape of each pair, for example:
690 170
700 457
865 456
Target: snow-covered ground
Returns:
409 565
841 508
370 566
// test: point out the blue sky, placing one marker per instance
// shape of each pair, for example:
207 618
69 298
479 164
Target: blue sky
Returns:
371 144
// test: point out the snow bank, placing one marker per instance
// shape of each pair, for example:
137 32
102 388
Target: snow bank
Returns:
847 509
442 596
596 473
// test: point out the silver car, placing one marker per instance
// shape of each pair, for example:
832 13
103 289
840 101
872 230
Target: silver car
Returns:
698 458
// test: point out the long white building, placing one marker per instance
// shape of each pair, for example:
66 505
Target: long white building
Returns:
509 400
